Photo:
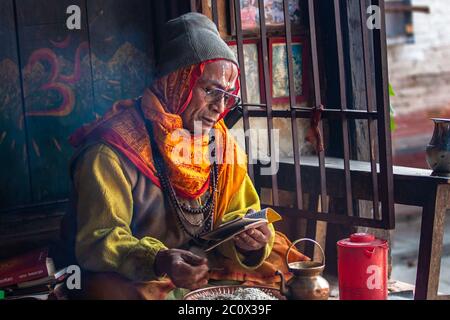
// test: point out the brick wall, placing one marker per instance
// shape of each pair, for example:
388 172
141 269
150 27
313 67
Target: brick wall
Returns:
420 72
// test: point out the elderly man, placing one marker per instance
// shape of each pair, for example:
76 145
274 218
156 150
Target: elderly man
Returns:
138 206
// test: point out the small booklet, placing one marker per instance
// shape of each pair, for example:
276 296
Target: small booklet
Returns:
232 228
53 278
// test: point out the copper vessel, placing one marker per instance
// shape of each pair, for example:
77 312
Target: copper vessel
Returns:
307 282
438 150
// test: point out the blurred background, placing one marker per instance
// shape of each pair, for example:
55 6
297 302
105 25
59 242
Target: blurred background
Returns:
419 72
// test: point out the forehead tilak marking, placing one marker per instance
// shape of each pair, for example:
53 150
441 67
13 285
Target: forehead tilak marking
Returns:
227 82
224 76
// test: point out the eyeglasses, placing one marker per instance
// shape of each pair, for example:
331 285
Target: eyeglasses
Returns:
216 94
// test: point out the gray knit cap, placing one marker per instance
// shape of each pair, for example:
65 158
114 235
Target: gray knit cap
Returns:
190 39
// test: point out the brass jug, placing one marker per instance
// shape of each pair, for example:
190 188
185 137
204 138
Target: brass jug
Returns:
438 150
307 282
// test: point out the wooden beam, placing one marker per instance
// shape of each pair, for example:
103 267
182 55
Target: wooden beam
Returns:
399 7
411 186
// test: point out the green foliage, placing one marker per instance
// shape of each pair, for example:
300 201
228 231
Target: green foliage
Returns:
392 111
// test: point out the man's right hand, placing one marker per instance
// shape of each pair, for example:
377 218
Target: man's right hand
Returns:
185 269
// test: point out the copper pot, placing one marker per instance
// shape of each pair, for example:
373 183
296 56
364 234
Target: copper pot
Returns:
438 150
307 282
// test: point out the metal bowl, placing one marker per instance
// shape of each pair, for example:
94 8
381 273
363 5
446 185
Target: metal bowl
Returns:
217 290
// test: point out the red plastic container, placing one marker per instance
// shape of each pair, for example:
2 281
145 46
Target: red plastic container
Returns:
362 267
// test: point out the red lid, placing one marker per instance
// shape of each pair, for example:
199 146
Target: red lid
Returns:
362 240
362 237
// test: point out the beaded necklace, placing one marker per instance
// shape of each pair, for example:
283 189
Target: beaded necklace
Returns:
182 210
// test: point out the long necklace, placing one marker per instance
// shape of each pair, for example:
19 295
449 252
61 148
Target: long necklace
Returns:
206 210
182 210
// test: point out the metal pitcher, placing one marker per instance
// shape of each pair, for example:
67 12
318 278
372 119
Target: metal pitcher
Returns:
307 282
438 150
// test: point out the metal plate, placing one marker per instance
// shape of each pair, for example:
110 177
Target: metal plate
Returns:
207 292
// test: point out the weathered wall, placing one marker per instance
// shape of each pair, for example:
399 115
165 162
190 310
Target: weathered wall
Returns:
53 80
420 72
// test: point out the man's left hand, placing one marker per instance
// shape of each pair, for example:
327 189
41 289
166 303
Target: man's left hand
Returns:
253 239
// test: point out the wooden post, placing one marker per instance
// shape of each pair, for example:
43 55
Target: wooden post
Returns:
431 238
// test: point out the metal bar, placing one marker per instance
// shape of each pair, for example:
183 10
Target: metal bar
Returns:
215 12
299 192
306 113
268 95
230 18
343 95
311 224
317 95
329 217
311 233
193 5
370 108
245 114
384 133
